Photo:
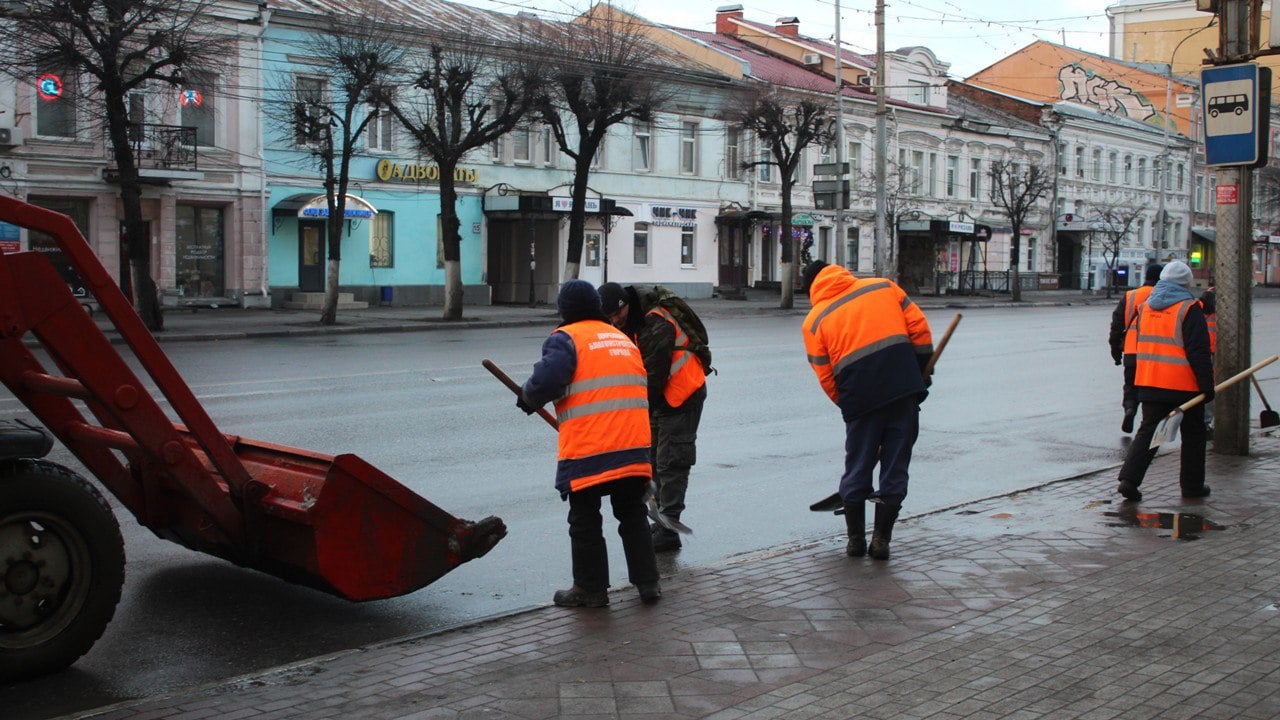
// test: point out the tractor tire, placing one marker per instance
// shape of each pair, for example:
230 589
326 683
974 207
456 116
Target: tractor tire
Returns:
61 567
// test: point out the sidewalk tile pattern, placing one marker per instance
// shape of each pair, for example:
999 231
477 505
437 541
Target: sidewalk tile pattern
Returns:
1058 602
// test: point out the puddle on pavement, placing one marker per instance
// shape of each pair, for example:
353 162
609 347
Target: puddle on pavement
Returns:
1185 526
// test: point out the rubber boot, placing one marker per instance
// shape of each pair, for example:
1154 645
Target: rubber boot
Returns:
855 519
883 532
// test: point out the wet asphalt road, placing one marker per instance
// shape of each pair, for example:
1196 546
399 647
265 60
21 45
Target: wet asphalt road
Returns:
1021 397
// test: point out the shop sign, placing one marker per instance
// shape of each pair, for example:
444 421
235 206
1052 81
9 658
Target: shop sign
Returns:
665 215
1227 194
565 204
913 226
407 172
960 228
802 219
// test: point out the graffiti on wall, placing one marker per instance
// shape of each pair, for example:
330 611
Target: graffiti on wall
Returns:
1088 88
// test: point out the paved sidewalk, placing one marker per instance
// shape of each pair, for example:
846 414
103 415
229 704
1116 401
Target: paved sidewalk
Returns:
182 324
1057 602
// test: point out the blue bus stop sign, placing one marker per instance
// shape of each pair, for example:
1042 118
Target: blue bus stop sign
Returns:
1236 104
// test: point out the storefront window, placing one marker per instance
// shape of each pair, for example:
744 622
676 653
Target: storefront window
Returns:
199 251
78 211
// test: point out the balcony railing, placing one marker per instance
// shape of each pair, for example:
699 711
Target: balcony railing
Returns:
160 150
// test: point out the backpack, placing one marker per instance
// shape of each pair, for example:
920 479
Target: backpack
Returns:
689 322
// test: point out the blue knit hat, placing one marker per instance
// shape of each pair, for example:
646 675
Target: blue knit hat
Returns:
578 300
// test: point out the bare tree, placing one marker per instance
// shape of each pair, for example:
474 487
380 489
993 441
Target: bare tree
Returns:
1112 224
902 198
356 53
467 95
603 76
1016 191
786 123
110 50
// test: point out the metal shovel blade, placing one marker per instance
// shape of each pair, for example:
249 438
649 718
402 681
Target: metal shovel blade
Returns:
1269 418
669 523
1167 430
831 503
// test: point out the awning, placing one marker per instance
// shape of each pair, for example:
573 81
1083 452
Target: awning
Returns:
1207 234
310 205
743 217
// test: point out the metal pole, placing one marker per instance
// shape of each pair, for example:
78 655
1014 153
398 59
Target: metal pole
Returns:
1233 268
882 200
1163 175
839 203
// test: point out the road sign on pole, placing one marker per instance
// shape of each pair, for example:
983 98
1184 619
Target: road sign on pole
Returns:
1236 102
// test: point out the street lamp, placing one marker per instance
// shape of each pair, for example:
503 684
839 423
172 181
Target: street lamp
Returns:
1164 176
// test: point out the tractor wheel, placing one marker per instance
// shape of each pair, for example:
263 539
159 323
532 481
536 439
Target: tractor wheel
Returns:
61 567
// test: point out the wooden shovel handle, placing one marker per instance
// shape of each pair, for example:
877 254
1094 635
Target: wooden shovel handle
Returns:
1247 372
511 384
942 345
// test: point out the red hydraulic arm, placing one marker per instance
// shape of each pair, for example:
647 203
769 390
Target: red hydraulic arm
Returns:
335 523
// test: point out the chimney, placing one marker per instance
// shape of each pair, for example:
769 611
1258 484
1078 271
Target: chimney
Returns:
724 14
789 26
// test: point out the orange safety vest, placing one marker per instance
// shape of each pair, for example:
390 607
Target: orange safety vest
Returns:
1133 302
1162 356
604 413
687 373
1212 321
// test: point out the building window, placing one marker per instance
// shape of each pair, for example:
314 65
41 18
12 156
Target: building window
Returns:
597 160
197 101
591 249
765 167
1182 177
642 147
56 105
380 241
931 176
975 178
549 148
138 117
953 171
198 250
1142 172
689 148
522 145
855 159
1031 255
1095 171
1112 167
918 92
1062 158
733 153
495 151
851 248
1080 162
640 244
309 119
1128 169
686 246
380 132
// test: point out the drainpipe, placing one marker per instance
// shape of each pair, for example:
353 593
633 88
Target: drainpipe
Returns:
265 17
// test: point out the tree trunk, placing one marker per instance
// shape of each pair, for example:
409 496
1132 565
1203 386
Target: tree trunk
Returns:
329 313
453 290
787 301
577 217
1015 287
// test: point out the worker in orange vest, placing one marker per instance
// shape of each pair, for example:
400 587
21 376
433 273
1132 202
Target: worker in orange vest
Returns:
1174 365
1123 339
677 393
868 344
595 376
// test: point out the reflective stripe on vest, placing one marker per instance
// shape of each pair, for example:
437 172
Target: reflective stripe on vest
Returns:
604 413
687 374
1162 355
1133 301
870 347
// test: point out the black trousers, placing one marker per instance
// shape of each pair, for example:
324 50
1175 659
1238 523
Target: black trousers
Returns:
1193 434
1130 398
586 533
675 437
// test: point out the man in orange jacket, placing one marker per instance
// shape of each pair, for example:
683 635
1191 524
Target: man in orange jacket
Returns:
594 375
1174 365
868 344
1124 342
677 393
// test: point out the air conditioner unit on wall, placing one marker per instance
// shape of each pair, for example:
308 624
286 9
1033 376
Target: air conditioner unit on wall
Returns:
10 136
812 59
864 80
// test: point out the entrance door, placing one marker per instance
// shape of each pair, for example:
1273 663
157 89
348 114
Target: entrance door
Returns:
592 258
311 256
